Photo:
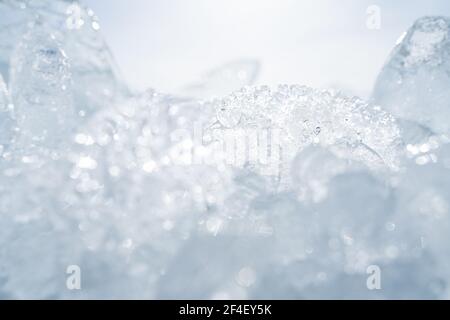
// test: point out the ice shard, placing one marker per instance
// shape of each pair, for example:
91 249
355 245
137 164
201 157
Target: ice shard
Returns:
414 84
96 78
41 91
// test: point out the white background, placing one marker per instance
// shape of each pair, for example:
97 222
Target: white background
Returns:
166 44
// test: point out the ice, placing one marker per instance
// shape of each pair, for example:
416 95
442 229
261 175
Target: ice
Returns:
41 89
314 167
264 192
290 118
6 121
96 79
414 82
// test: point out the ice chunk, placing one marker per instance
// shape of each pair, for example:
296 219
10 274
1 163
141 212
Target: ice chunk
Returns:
413 132
314 167
96 79
424 207
119 194
140 154
141 199
41 90
265 128
414 83
370 195
225 79
208 274
129 202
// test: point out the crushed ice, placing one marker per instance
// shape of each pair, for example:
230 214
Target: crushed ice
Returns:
282 192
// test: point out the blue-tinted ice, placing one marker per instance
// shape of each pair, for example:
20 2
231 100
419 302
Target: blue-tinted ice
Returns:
266 192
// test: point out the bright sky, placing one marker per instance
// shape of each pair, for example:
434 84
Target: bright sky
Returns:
166 44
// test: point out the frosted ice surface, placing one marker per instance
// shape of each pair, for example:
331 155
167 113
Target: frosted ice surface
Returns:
136 162
286 119
96 79
157 196
41 90
414 83
314 167
139 206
